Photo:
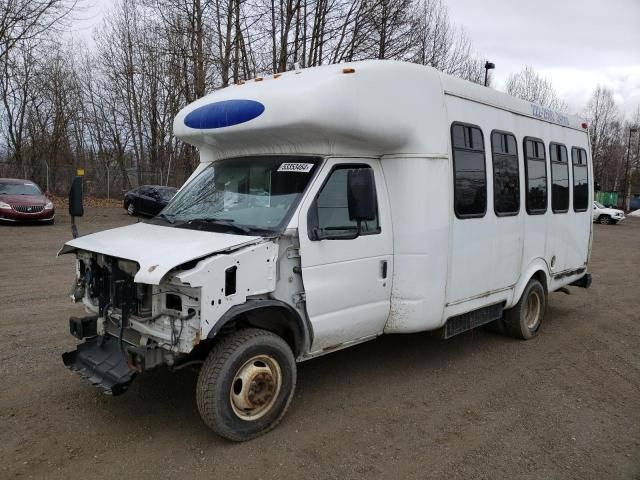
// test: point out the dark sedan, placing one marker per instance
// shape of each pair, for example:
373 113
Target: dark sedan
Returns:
148 200
23 201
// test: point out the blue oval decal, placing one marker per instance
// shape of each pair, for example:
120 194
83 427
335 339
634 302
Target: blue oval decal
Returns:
223 114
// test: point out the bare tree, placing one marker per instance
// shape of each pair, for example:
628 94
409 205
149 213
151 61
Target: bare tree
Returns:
22 20
532 87
604 130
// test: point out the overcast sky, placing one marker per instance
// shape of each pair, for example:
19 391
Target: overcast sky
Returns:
576 44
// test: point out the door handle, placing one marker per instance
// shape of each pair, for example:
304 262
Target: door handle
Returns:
383 268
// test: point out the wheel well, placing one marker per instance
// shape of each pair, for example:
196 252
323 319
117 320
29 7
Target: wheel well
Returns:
274 318
542 278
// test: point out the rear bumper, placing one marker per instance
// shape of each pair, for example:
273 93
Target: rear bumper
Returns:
583 282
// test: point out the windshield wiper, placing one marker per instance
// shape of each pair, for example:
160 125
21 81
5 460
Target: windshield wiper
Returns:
169 218
227 222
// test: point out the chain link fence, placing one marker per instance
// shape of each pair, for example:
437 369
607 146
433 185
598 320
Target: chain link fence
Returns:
99 181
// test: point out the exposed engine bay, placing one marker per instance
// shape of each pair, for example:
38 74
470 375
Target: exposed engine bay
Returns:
141 315
133 326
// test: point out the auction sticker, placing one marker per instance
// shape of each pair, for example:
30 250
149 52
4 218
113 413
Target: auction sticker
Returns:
295 167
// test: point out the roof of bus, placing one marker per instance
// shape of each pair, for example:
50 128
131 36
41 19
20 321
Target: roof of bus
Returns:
374 106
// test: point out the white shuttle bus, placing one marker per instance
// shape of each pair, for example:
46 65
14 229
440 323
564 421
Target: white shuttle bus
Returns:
333 205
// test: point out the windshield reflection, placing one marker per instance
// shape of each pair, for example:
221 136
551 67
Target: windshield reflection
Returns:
245 195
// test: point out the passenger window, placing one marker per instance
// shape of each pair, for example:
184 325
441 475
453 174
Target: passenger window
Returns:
580 179
332 206
469 171
535 169
559 178
506 176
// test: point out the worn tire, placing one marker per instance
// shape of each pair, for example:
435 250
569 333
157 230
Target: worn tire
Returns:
228 357
524 319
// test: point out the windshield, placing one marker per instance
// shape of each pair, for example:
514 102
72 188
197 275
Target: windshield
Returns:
599 205
242 194
26 188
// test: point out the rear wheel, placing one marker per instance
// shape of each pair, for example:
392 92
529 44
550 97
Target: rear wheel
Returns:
524 319
605 219
246 384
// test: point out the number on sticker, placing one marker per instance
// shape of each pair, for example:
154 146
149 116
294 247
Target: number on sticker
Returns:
296 167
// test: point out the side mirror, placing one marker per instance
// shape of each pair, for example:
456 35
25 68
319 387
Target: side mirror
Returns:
76 209
361 195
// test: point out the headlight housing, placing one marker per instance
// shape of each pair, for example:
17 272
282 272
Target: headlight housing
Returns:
5 206
48 205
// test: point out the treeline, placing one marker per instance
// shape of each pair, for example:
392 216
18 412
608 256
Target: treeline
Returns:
109 107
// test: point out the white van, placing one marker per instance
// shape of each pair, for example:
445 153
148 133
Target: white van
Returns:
333 205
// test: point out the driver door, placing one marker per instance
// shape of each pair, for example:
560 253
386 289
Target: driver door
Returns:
347 281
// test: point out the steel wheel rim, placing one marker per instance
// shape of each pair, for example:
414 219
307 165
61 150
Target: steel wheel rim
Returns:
532 311
255 387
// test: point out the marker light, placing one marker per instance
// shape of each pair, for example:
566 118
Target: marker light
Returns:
277 75
258 79
349 70
585 125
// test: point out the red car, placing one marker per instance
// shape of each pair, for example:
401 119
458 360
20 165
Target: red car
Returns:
23 201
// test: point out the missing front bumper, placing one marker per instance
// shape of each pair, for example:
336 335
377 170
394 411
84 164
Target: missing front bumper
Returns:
102 362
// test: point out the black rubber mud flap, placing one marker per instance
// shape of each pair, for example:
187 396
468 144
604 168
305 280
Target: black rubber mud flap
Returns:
101 362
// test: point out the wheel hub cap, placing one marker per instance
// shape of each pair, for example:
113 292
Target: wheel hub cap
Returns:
255 387
533 310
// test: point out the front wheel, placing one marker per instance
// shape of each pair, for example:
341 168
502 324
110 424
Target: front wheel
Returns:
131 209
524 319
246 384
605 219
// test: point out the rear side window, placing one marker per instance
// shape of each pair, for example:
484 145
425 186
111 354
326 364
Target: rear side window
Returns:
559 178
580 179
535 169
506 176
469 171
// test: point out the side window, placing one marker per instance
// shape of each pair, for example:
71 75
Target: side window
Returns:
559 178
332 207
469 171
506 177
535 169
580 179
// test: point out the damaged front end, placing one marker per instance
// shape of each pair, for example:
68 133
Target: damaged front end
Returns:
131 327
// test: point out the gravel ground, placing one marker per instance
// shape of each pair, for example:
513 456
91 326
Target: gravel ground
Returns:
564 405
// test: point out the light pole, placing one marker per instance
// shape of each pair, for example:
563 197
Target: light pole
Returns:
627 182
488 66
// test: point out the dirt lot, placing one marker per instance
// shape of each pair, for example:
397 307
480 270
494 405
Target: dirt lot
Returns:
565 405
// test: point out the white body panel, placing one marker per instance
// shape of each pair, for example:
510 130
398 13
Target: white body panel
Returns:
346 295
156 249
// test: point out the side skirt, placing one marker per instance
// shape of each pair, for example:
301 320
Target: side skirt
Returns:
475 318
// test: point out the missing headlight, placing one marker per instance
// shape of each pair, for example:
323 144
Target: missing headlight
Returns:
173 302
